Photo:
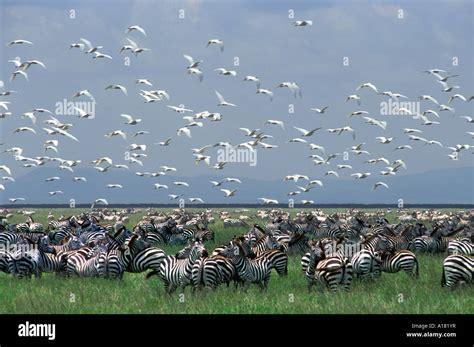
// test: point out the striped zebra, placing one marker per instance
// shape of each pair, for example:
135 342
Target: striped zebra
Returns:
332 272
460 247
367 264
116 262
256 270
205 273
298 243
457 269
144 257
176 273
10 238
76 261
428 244
5 261
398 242
394 261
232 222
31 258
277 258
94 266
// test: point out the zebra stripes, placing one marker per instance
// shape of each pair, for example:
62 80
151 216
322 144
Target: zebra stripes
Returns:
460 247
256 270
457 269
400 260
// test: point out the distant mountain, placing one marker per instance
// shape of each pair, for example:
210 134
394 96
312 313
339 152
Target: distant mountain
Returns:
446 186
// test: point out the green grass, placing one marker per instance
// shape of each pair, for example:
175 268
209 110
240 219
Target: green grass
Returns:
393 293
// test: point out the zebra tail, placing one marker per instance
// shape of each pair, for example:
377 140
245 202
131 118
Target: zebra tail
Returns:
417 273
443 278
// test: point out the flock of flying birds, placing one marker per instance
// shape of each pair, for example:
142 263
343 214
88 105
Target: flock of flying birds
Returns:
58 131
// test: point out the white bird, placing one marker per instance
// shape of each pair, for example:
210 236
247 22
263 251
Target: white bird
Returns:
368 85
13 200
265 92
118 87
19 42
222 101
231 179
130 119
403 147
343 166
354 97
116 133
137 147
358 113
178 183
5 104
384 140
409 131
268 201
2 187
307 202
196 200
297 140
99 55
200 157
77 179
179 109
100 201
135 28
307 133
55 192
276 122
92 49
434 113
85 92
303 23
359 175
428 97
446 87
373 121
457 96
168 168
102 160
468 119
225 72
174 196
22 129
446 108
141 132
296 177
293 87
113 186
18 72
184 131
378 184
228 192
159 186
331 172
216 42
144 81
29 115
253 79
195 71
165 142
377 160
267 146
84 114
6 169
320 110
192 62
77 45
51 179
26 65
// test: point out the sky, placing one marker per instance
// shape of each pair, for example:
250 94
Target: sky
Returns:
387 43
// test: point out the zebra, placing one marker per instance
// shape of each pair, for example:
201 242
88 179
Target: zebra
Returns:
367 263
256 270
32 259
457 269
76 260
10 238
277 258
298 243
117 261
394 261
460 247
144 257
205 273
332 272
5 261
176 273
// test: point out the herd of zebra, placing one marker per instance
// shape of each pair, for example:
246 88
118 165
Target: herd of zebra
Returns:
333 248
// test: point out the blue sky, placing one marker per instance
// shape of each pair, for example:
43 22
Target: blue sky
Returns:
382 48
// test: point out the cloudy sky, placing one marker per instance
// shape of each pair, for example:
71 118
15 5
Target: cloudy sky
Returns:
350 43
